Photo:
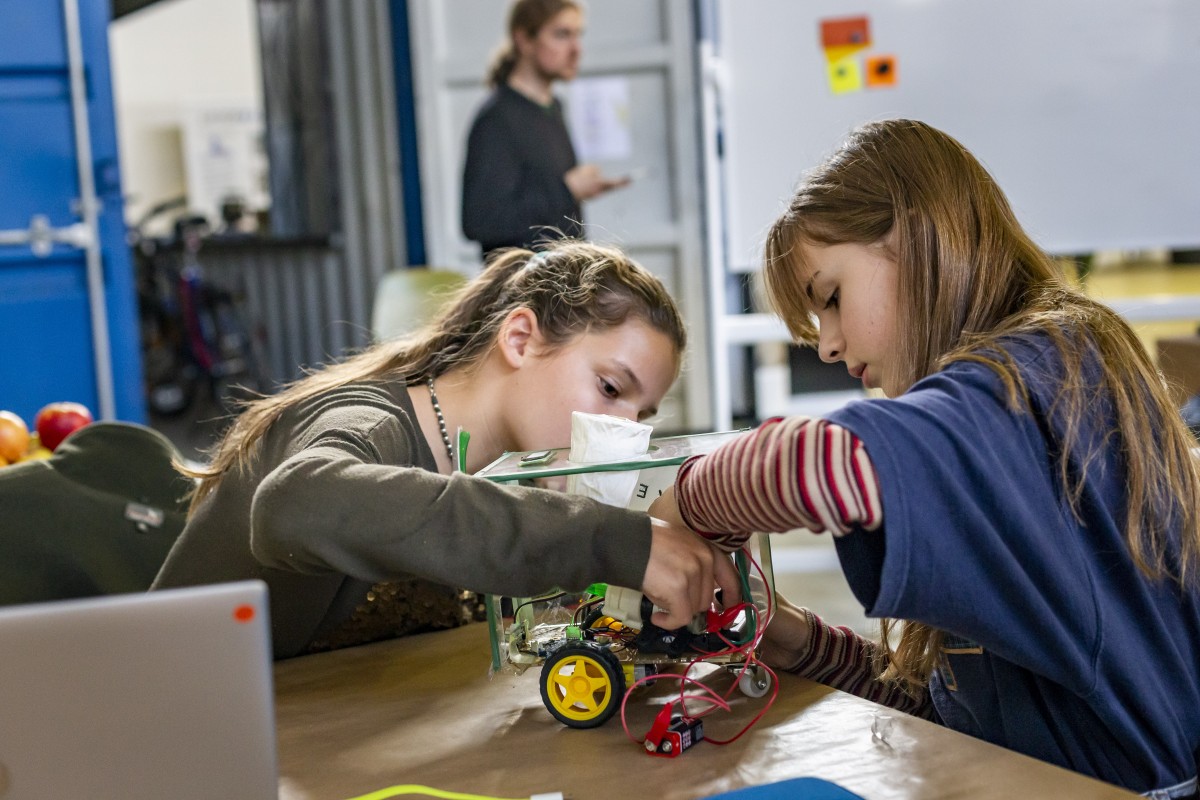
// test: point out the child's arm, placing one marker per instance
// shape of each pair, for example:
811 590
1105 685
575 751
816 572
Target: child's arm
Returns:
800 642
788 473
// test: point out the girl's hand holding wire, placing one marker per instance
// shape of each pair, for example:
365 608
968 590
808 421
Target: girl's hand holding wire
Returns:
666 510
683 573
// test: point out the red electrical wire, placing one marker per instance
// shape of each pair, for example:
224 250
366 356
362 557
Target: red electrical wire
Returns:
714 699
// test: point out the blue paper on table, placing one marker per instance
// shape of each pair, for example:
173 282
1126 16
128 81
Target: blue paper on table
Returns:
793 789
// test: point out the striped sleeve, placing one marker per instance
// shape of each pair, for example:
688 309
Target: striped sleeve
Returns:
795 472
840 658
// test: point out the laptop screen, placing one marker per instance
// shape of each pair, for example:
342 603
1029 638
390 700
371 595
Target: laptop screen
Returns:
139 696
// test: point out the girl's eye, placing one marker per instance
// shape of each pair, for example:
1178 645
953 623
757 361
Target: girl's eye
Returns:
609 390
832 302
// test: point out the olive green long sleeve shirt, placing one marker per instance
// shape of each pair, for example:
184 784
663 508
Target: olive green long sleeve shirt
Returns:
344 493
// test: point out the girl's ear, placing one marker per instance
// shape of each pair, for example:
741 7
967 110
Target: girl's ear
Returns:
519 333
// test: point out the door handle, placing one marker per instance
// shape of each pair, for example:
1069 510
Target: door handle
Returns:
41 236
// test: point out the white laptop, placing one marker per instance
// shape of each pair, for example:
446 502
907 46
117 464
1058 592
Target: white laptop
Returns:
139 697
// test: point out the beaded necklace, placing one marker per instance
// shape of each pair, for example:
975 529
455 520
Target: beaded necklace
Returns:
437 409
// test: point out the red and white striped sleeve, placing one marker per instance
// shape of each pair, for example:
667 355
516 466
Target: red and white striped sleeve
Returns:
840 658
794 472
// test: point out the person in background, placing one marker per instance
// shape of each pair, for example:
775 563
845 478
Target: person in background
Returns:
344 484
521 182
1023 505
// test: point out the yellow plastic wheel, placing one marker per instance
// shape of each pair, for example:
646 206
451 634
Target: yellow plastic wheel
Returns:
582 684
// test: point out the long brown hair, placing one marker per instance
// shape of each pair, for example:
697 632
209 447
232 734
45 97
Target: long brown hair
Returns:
528 17
968 277
573 287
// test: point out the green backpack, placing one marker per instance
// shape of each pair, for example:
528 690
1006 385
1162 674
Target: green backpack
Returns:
97 517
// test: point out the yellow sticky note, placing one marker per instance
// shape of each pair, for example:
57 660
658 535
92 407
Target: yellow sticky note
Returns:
845 76
842 51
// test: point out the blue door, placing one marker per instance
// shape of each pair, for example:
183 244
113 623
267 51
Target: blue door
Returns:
68 313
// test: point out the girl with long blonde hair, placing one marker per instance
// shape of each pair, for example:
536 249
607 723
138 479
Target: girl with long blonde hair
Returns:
1021 509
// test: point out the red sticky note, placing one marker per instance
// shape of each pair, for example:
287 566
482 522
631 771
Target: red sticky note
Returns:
846 31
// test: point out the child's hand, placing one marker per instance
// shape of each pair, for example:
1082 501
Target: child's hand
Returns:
666 508
785 640
683 573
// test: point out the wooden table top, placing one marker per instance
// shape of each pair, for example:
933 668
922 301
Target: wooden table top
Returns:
424 710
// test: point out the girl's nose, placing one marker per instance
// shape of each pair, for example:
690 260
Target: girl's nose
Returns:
831 347
638 414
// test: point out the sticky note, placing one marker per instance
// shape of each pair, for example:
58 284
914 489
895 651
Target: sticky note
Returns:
845 76
842 51
881 71
845 31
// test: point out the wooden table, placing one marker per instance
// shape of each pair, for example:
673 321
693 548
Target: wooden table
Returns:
424 710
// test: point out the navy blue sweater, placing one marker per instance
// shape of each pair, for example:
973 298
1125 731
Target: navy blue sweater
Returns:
1058 648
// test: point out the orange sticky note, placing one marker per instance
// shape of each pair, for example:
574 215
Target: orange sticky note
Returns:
881 71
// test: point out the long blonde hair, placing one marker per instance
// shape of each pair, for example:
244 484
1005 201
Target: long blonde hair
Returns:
528 17
573 287
969 277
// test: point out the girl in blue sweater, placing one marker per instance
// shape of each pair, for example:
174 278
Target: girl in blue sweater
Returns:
1022 507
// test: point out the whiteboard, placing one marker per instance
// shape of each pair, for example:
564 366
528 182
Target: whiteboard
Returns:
1087 112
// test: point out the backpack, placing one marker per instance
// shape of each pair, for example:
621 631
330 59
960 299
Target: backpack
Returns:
97 517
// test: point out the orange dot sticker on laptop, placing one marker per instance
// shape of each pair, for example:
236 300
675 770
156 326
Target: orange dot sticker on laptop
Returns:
243 613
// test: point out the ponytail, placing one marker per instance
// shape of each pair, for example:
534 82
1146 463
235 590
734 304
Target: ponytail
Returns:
502 64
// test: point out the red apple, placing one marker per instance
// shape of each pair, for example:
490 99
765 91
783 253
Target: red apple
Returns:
57 421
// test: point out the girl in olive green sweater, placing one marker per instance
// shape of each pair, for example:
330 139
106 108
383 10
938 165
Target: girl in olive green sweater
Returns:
342 486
